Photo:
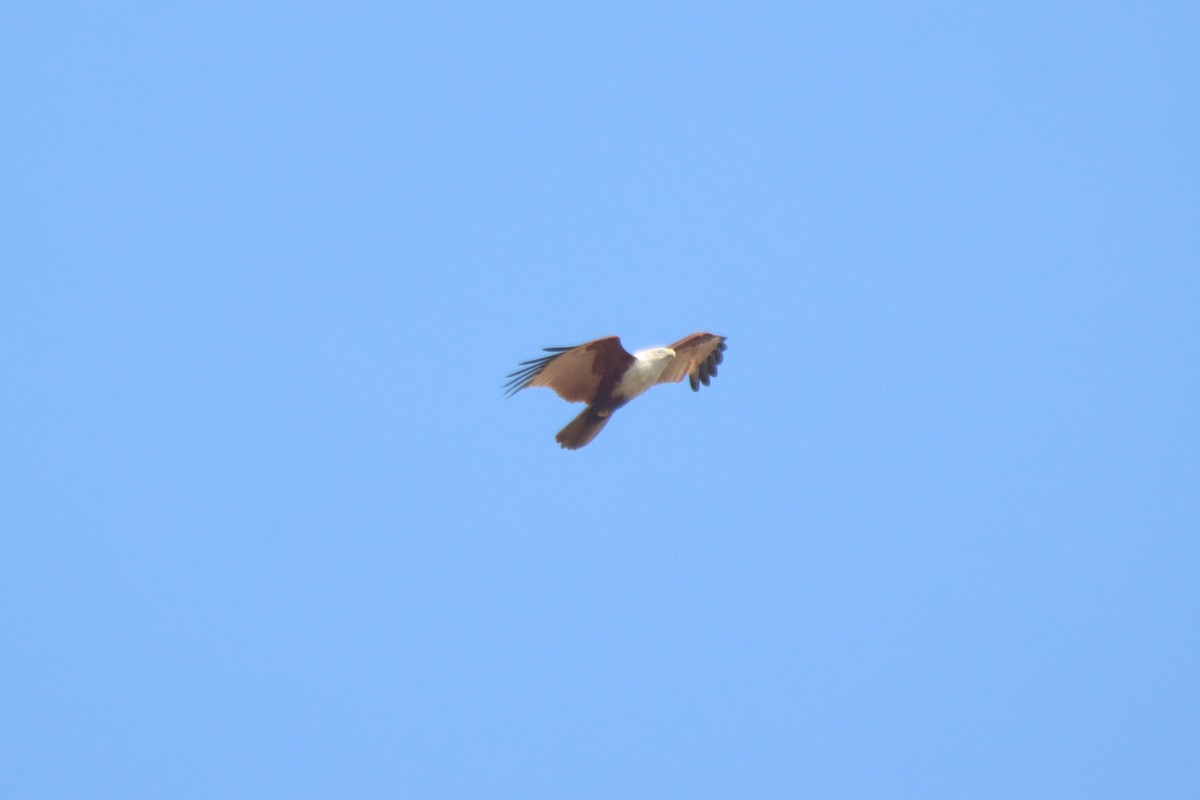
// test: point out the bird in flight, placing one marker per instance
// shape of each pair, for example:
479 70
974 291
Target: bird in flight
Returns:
602 374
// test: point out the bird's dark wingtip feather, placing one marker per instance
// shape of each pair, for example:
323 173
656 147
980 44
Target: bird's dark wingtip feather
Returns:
529 370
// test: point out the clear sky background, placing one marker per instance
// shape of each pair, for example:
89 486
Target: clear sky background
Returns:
270 529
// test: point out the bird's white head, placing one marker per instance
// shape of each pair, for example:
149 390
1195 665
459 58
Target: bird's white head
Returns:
655 355
646 369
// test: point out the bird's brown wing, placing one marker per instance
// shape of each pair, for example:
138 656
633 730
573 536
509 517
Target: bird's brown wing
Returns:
574 373
697 357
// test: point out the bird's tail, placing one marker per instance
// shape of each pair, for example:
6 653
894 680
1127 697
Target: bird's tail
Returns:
583 428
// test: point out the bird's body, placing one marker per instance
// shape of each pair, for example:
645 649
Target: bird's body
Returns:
644 372
606 377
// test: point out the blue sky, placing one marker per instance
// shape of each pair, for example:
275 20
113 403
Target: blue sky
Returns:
272 530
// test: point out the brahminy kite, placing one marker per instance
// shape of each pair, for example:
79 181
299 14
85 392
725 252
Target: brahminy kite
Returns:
603 375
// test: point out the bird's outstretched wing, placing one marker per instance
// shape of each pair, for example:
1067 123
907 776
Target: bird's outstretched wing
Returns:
574 373
697 357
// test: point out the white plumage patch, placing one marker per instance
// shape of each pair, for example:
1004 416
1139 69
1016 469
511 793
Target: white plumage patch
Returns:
644 372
